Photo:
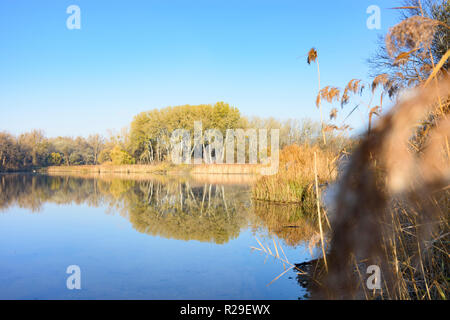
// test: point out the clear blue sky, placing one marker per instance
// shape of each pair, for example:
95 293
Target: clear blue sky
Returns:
131 56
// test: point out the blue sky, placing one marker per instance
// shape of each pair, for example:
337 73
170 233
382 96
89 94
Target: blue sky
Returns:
131 56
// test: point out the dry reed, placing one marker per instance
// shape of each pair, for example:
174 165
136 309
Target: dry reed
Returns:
294 181
392 208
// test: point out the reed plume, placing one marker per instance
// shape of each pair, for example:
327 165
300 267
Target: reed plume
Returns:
392 207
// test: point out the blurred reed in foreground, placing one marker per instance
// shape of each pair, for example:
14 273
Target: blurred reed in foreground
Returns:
392 206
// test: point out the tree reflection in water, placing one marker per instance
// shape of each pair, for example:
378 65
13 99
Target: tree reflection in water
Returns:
177 208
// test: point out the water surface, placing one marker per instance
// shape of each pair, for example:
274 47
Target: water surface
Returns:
145 238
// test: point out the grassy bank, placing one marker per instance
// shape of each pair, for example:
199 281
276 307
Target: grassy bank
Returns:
161 168
164 168
198 179
241 169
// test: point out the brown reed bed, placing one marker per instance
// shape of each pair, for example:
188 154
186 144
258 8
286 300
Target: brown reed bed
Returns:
161 168
392 208
225 179
294 182
240 169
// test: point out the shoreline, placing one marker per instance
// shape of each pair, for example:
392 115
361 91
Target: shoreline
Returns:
161 168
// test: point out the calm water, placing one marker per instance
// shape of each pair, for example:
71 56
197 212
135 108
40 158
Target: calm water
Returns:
144 238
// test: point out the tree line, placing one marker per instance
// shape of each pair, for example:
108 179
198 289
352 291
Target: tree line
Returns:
33 149
146 140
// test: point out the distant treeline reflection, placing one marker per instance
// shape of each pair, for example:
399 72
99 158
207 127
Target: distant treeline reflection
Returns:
180 209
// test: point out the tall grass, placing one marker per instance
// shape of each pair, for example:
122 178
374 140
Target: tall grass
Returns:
294 182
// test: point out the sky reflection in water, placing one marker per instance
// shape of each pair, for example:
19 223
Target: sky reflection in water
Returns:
143 239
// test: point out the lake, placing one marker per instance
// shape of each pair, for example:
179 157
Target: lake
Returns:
138 237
